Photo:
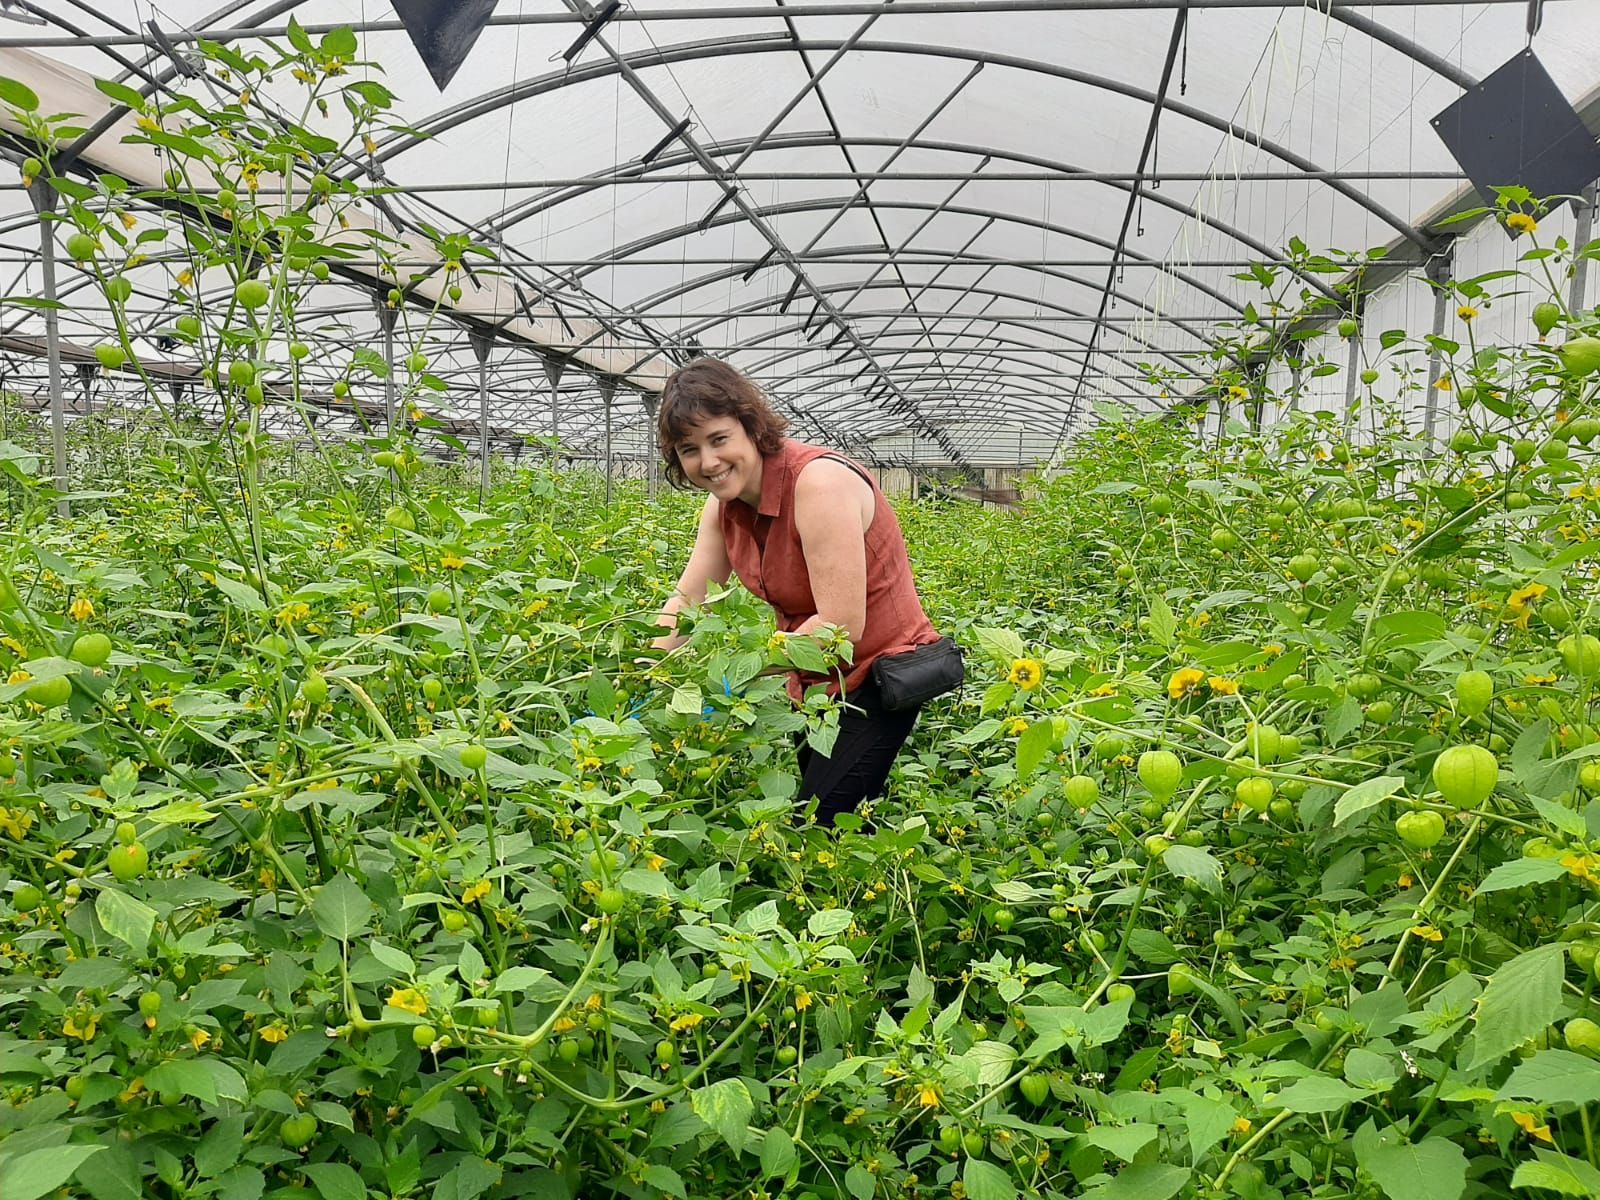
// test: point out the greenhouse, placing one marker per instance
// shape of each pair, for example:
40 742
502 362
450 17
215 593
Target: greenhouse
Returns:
863 599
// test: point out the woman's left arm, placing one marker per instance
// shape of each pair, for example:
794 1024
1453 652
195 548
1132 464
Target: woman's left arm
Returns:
828 506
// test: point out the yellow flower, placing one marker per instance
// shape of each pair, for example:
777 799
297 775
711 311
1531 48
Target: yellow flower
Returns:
1583 866
146 124
1018 726
275 1033
534 607
1521 223
928 1096
1519 600
452 562
15 822
1184 682
1531 1125
655 862
82 609
1105 689
85 1031
407 999
1538 679
1445 383
1405 881
18 676
1222 687
1427 933
185 278
685 1022
16 647
1412 525
475 892
802 1000
1466 312
564 1025
1026 673
1242 1125
290 613
199 1038
1272 649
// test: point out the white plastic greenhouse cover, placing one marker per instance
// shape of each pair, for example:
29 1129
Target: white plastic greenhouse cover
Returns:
981 219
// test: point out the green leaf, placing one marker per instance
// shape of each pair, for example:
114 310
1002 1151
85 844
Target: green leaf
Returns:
1125 1141
659 1175
467 1180
1191 862
1520 872
241 594
1520 1000
1035 743
337 1181
38 1172
1149 1181
686 700
726 1107
1207 1121
126 919
1318 1094
1559 1173
1433 1169
829 922
123 94
220 1148
18 95
985 1181
860 1182
113 1175
341 909
1554 1077
1371 1070
1000 644
1163 624
183 1075
1364 795
777 1153
340 41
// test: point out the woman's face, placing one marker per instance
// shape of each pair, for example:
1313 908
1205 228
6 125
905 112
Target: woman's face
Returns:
718 456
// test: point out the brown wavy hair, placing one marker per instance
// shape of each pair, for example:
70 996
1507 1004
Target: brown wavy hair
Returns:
705 388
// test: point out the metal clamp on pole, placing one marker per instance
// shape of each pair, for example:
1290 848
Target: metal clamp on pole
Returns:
594 23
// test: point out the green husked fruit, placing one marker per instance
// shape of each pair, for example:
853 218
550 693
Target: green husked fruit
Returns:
1582 1036
974 1143
297 1131
252 293
1380 711
399 517
1119 992
1369 377
432 688
119 289
1161 504
608 900
150 1004
91 649
110 355
1349 327
1420 830
1465 775
1474 690
26 898
1109 745
474 756
1546 315
1081 791
1035 1087
665 1052
241 372
1255 793
1581 653
423 1036
1263 742
1589 776
48 693
949 1138
81 247
128 862
439 600
1180 980
787 1056
1224 539
1304 566
314 688
1581 355
1160 771
1364 685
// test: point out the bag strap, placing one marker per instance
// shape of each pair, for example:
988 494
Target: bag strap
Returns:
856 467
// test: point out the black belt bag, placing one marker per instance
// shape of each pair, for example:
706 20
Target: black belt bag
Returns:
911 679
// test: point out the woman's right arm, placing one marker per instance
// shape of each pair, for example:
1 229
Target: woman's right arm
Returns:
708 562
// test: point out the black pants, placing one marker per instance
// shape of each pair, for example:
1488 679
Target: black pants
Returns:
859 765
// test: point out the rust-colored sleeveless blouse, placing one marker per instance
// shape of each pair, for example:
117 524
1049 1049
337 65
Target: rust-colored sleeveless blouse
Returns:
765 552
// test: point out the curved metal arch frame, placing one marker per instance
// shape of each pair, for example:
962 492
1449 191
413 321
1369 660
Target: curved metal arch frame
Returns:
830 204
937 317
818 140
967 259
448 119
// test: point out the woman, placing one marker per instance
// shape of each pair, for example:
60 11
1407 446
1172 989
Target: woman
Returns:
810 533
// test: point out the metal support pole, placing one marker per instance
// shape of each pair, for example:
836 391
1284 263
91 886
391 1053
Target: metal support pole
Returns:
44 203
653 470
386 317
607 388
482 343
1294 388
1350 380
1581 237
552 371
1439 275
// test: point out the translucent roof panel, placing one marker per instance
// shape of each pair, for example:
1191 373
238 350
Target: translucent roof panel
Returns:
929 227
